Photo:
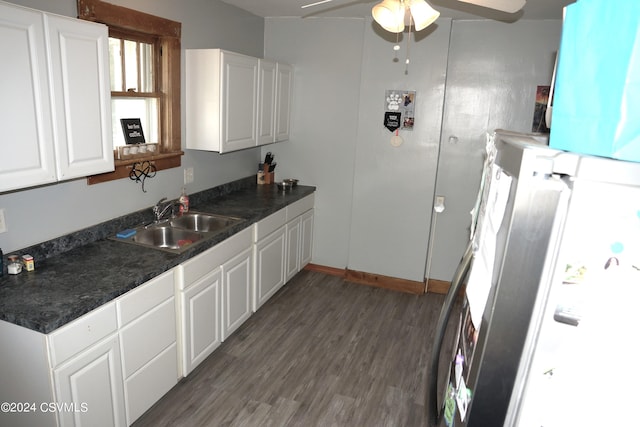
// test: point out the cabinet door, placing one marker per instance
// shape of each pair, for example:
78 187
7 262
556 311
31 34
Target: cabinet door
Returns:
239 90
236 292
200 320
283 101
306 238
266 102
91 387
82 98
25 109
269 274
293 248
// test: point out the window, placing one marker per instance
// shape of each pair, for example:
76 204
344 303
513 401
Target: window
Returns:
144 55
134 87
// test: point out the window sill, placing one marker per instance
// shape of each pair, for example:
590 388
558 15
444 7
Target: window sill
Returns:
123 168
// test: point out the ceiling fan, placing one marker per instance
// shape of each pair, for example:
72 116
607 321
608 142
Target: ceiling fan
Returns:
392 14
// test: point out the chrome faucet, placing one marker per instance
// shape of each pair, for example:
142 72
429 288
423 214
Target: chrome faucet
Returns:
161 208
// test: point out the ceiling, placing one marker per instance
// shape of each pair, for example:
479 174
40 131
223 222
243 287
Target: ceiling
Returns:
534 9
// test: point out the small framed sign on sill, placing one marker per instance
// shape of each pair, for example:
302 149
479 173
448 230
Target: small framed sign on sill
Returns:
132 129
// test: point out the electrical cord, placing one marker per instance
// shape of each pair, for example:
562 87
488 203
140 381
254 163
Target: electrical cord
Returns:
140 171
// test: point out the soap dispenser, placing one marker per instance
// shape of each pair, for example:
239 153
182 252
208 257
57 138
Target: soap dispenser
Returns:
184 201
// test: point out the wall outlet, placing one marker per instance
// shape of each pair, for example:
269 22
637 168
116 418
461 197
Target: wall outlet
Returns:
188 175
3 223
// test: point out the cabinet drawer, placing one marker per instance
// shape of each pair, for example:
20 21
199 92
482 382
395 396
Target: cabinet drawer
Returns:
138 301
145 338
269 224
149 384
297 208
81 333
211 259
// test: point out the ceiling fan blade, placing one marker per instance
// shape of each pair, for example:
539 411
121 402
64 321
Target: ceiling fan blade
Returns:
509 6
315 3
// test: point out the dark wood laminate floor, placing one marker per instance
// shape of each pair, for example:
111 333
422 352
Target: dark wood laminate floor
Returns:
321 352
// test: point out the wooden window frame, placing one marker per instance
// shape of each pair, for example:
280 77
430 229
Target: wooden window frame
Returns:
168 33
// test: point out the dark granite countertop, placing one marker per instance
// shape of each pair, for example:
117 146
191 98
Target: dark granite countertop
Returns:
81 271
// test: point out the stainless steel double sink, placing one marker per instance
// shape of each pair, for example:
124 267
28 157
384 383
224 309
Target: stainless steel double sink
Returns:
180 233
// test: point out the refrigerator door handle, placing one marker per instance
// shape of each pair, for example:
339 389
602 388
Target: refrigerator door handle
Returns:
456 284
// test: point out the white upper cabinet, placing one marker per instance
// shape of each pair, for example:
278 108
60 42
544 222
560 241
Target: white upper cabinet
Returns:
266 101
25 109
222 99
284 86
55 107
82 97
235 101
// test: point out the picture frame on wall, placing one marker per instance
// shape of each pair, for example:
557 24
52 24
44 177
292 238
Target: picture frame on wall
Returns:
401 102
539 124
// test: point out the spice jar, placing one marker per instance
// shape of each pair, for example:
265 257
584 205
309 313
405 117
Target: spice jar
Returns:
27 261
14 266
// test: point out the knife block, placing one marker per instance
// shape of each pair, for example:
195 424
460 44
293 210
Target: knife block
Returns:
265 177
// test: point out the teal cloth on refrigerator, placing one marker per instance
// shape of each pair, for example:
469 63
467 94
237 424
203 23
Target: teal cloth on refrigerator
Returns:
596 106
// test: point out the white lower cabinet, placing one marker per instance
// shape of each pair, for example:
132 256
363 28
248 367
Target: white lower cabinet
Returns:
201 332
299 243
147 319
306 237
236 292
268 257
89 387
269 251
282 247
299 235
85 356
114 363
214 292
293 247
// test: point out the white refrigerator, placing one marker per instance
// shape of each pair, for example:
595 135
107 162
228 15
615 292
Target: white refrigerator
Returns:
545 331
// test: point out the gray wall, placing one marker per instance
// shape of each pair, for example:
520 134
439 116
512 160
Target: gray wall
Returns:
494 69
39 214
373 202
394 185
373 205
327 56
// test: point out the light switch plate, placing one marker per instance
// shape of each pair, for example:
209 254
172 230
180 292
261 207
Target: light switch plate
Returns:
3 223
188 175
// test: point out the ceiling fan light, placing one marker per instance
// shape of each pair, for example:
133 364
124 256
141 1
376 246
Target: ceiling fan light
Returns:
423 14
390 15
